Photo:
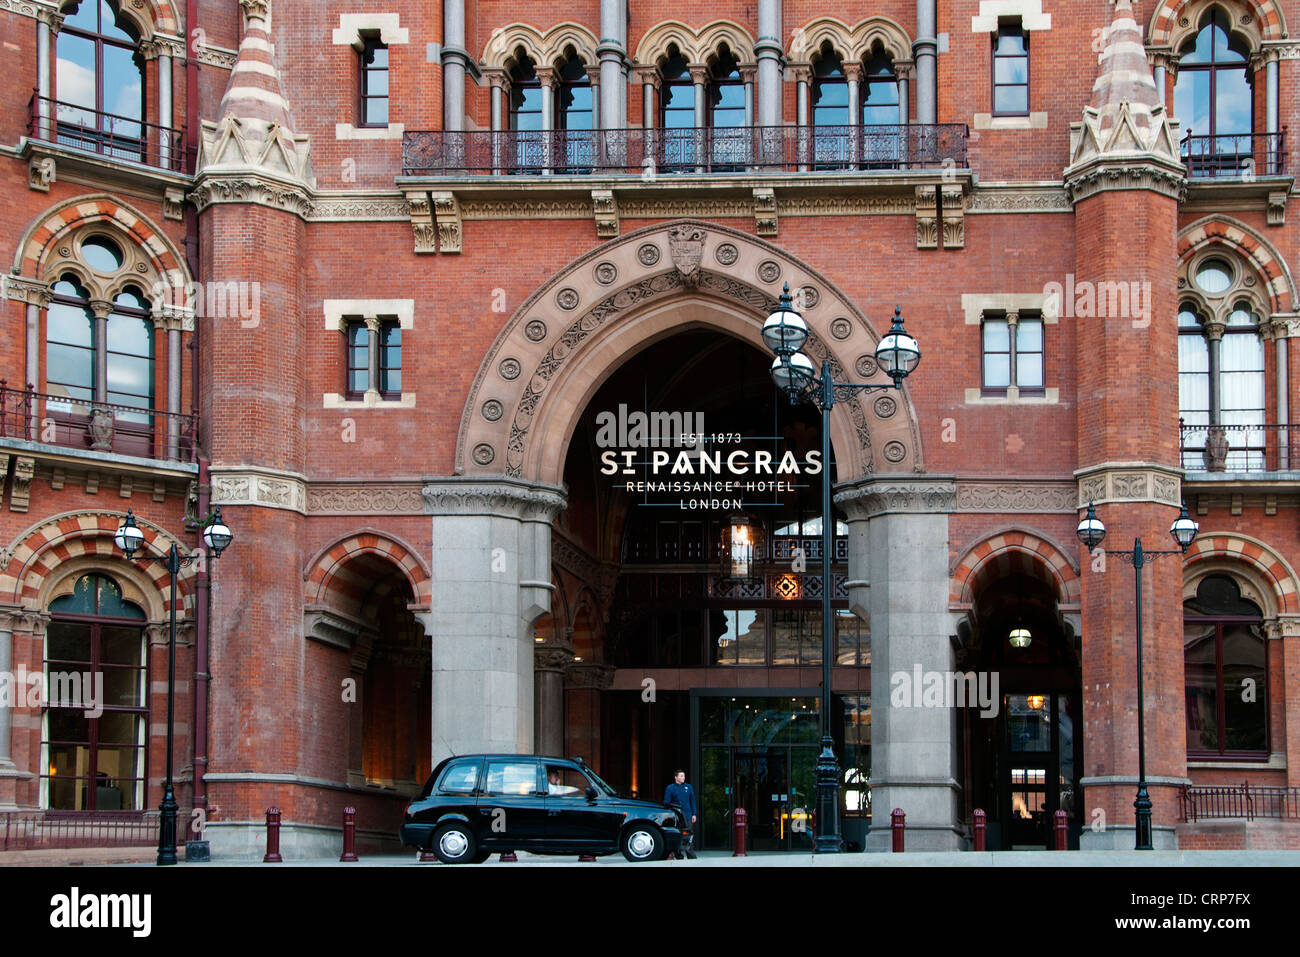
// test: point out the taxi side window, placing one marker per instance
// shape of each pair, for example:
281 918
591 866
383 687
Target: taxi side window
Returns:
461 777
511 777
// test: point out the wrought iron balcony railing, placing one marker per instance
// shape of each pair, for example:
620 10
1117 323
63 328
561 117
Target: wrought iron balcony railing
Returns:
44 830
80 423
1239 448
1243 156
1238 802
666 152
117 137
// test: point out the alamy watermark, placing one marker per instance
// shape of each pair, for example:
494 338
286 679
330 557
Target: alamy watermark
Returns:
1098 300
79 690
215 300
945 689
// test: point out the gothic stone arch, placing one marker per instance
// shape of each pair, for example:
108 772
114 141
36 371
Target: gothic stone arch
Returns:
558 348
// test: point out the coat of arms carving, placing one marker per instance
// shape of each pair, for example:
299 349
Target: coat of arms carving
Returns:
686 247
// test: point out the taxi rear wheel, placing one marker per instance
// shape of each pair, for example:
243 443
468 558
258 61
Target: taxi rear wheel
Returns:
454 844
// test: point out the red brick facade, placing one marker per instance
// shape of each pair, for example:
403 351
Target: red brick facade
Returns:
332 584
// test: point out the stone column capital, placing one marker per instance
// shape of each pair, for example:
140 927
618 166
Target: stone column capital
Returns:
101 308
552 658
647 76
503 498
1214 330
749 73
799 72
547 77
897 494
853 71
496 79
699 73
1281 325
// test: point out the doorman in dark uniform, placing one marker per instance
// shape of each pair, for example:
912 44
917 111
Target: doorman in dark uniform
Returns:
682 795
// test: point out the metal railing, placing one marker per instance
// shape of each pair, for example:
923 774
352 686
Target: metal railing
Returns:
1235 155
749 149
1238 802
95 131
1239 448
46 830
102 426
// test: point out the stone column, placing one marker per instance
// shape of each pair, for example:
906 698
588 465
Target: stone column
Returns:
491 581
903 70
8 770
649 82
101 308
802 74
1279 327
455 59
546 76
47 25
769 51
700 79
22 639
173 387
1284 639
550 662
164 107
1271 97
898 543
496 105
853 73
372 357
925 50
612 52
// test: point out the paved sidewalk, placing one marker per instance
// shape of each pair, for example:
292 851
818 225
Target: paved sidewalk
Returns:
919 859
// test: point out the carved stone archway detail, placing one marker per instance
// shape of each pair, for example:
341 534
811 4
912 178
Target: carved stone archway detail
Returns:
544 383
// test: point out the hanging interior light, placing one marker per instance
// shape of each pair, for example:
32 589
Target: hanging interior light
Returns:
1035 702
739 550
1020 637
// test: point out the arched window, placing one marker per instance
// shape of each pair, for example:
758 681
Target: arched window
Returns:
677 114
99 352
99 81
1221 368
880 91
1214 97
830 110
526 114
1226 675
94 729
575 115
728 136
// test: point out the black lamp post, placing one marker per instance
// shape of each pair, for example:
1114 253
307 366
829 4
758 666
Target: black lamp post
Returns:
897 354
1090 532
129 538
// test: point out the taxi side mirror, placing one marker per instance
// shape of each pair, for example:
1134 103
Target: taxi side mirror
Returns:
592 793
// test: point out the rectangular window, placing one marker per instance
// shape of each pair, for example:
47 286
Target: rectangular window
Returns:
1012 354
1010 70
390 359
358 359
374 83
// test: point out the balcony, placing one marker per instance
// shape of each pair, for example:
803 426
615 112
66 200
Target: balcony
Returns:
1211 451
106 134
659 152
103 427
1244 156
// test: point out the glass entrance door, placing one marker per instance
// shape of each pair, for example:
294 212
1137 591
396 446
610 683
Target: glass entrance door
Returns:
1038 767
759 754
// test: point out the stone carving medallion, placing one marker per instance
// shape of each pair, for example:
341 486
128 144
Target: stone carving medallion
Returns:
606 273
535 330
841 328
648 254
493 410
567 299
484 454
769 271
727 254
509 368
866 366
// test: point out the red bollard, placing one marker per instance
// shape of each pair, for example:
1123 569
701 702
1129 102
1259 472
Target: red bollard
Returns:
896 820
349 836
739 819
273 837
586 858
427 857
1061 826
978 817
508 857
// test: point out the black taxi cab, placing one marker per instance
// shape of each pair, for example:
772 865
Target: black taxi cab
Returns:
477 805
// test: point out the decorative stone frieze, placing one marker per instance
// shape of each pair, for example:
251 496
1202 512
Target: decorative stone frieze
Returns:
1129 482
1016 497
893 495
244 485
